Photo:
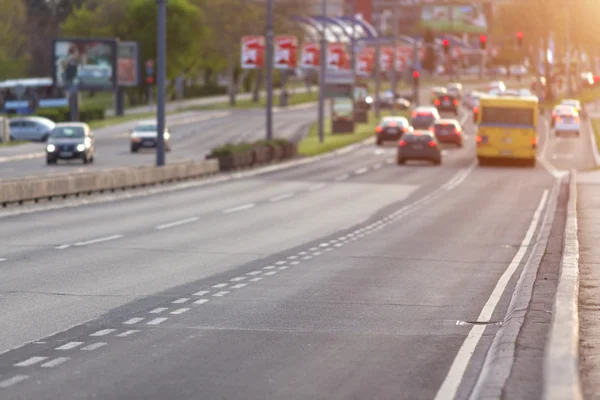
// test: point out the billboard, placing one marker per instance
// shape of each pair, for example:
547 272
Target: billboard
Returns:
364 62
128 66
286 48
310 55
336 56
88 63
253 52
456 18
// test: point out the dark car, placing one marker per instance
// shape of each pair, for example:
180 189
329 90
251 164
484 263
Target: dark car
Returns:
447 103
70 141
391 128
419 145
449 131
424 117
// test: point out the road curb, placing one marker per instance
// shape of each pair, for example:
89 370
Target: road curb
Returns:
501 356
561 360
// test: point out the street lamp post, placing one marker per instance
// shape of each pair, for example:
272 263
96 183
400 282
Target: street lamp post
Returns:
269 77
322 71
353 62
161 72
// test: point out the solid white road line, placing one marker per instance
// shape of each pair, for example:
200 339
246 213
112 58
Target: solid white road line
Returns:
99 240
456 373
11 381
103 332
30 361
316 187
177 223
127 333
94 346
69 346
239 208
156 321
281 197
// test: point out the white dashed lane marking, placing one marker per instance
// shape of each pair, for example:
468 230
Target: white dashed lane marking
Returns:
201 301
180 311
254 273
283 267
361 171
220 285
177 223
377 166
128 333
99 240
133 321
239 208
220 294
3 259
271 273
281 197
316 187
62 246
55 362
69 346
201 293
158 310
342 177
11 381
156 321
239 286
103 332
181 301
239 278
30 361
255 279
94 346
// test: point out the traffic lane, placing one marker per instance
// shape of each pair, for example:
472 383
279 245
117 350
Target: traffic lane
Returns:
189 142
567 152
105 270
369 319
24 234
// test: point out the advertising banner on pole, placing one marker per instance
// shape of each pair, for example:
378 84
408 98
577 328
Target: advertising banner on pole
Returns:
386 57
337 58
253 52
404 55
365 60
286 48
311 55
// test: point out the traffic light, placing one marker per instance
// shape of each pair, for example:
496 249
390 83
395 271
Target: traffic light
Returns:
446 45
520 39
416 76
482 42
150 80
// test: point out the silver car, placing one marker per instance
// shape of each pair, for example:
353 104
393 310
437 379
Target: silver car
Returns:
145 135
31 128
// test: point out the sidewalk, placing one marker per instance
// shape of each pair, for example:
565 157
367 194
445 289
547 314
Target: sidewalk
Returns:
588 215
174 106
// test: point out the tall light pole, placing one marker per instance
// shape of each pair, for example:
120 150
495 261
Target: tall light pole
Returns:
161 72
269 77
378 65
322 71
353 61
568 49
395 60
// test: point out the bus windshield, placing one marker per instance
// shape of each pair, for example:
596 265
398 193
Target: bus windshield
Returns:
507 115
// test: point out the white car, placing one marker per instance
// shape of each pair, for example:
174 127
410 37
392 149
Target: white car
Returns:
496 86
567 123
145 135
575 104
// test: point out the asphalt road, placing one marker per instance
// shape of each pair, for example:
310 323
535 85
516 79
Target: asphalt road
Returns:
194 134
348 277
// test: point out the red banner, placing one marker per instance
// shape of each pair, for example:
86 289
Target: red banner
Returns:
286 48
337 57
253 52
311 55
365 61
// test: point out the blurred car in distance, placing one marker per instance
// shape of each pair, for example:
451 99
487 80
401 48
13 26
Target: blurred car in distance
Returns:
36 129
419 145
567 123
424 117
447 103
145 135
448 130
391 128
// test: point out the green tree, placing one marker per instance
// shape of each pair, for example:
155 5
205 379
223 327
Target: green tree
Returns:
13 40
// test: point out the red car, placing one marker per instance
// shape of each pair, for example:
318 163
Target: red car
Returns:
449 131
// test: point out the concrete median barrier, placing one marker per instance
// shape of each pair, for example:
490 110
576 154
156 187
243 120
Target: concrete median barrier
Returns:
38 188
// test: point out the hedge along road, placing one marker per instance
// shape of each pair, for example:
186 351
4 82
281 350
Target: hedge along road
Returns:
194 134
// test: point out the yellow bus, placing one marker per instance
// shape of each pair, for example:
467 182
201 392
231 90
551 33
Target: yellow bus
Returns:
507 129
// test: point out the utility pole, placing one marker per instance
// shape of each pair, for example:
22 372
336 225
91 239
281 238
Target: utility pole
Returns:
161 72
568 49
269 77
353 61
395 60
322 72
377 66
